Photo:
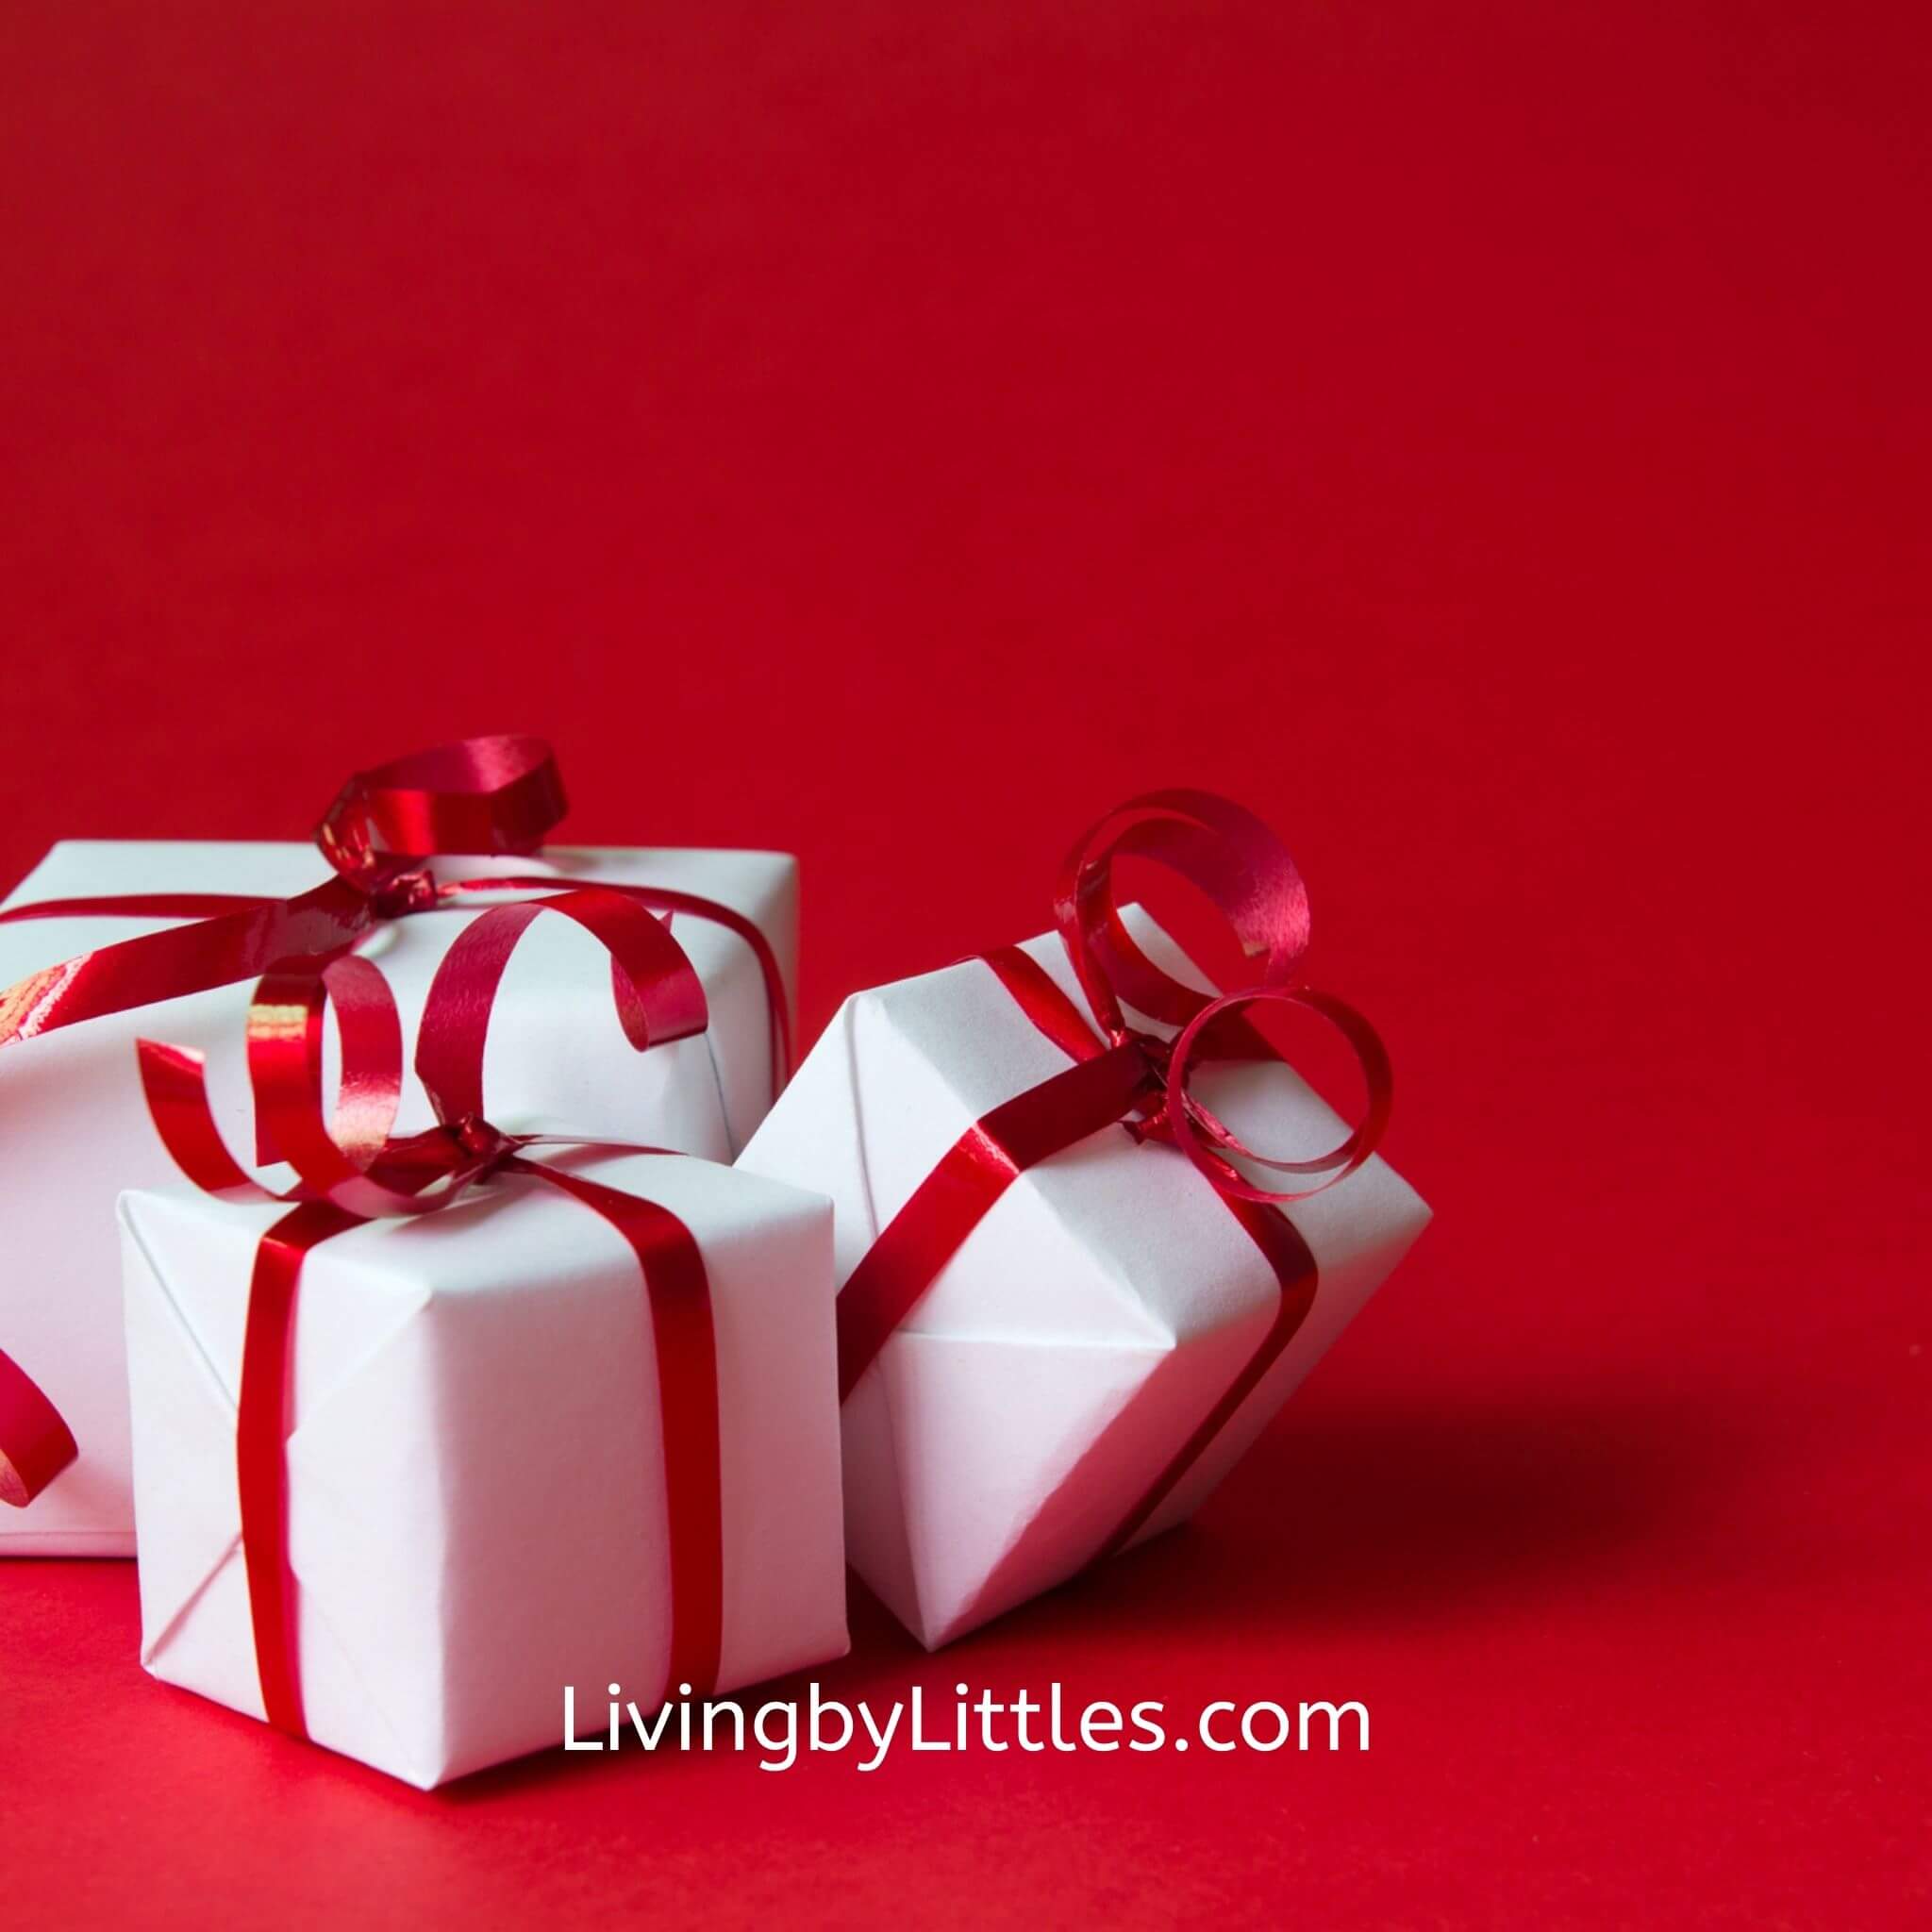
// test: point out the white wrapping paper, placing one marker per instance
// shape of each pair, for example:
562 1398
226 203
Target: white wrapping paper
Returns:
75 1129
1087 1325
477 1506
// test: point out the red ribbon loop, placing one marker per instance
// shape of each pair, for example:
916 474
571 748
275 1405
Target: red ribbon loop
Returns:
659 995
478 795
1209 1145
1213 844
1247 874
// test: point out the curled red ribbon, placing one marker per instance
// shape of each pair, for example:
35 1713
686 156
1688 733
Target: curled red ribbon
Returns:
501 795
478 795
354 1169
494 795
1132 1078
1247 874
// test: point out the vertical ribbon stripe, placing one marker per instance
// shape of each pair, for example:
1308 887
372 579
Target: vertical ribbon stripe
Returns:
679 1293
264 1420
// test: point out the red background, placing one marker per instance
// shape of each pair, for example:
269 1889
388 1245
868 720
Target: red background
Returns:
1489 439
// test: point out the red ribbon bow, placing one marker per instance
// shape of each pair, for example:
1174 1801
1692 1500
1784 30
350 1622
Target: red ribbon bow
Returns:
1132 1078
354 1170
493 795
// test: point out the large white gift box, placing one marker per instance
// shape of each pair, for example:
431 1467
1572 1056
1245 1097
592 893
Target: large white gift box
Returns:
75 1129
477 1506
1063 1358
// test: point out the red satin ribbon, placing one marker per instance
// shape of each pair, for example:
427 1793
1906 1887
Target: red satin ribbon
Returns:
496 795
354 1170
35 1444
477 794
1137 1080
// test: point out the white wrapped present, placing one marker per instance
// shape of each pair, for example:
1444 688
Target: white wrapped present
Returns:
478 1465
1114 1332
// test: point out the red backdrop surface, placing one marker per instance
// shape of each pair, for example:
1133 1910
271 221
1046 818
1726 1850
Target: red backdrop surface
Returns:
1490 439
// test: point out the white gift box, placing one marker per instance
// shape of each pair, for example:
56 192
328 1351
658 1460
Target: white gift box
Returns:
1089 1322
75 1128
476 1474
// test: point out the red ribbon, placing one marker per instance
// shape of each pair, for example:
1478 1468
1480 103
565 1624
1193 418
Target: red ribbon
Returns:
1132 1078
481 795
354 1170
35 1444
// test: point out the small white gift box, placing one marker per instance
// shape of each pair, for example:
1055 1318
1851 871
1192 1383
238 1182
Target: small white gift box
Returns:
477 1464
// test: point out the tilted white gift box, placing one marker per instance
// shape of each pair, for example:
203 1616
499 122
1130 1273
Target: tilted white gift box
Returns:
75 1129
476 1475
1069 1350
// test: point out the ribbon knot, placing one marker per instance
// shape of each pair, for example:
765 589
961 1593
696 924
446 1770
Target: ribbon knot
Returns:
482 1145
1157 1055
396 890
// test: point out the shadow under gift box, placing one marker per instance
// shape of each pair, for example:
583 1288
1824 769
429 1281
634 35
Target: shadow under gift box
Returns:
1088 1325
476 1474
76 1129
